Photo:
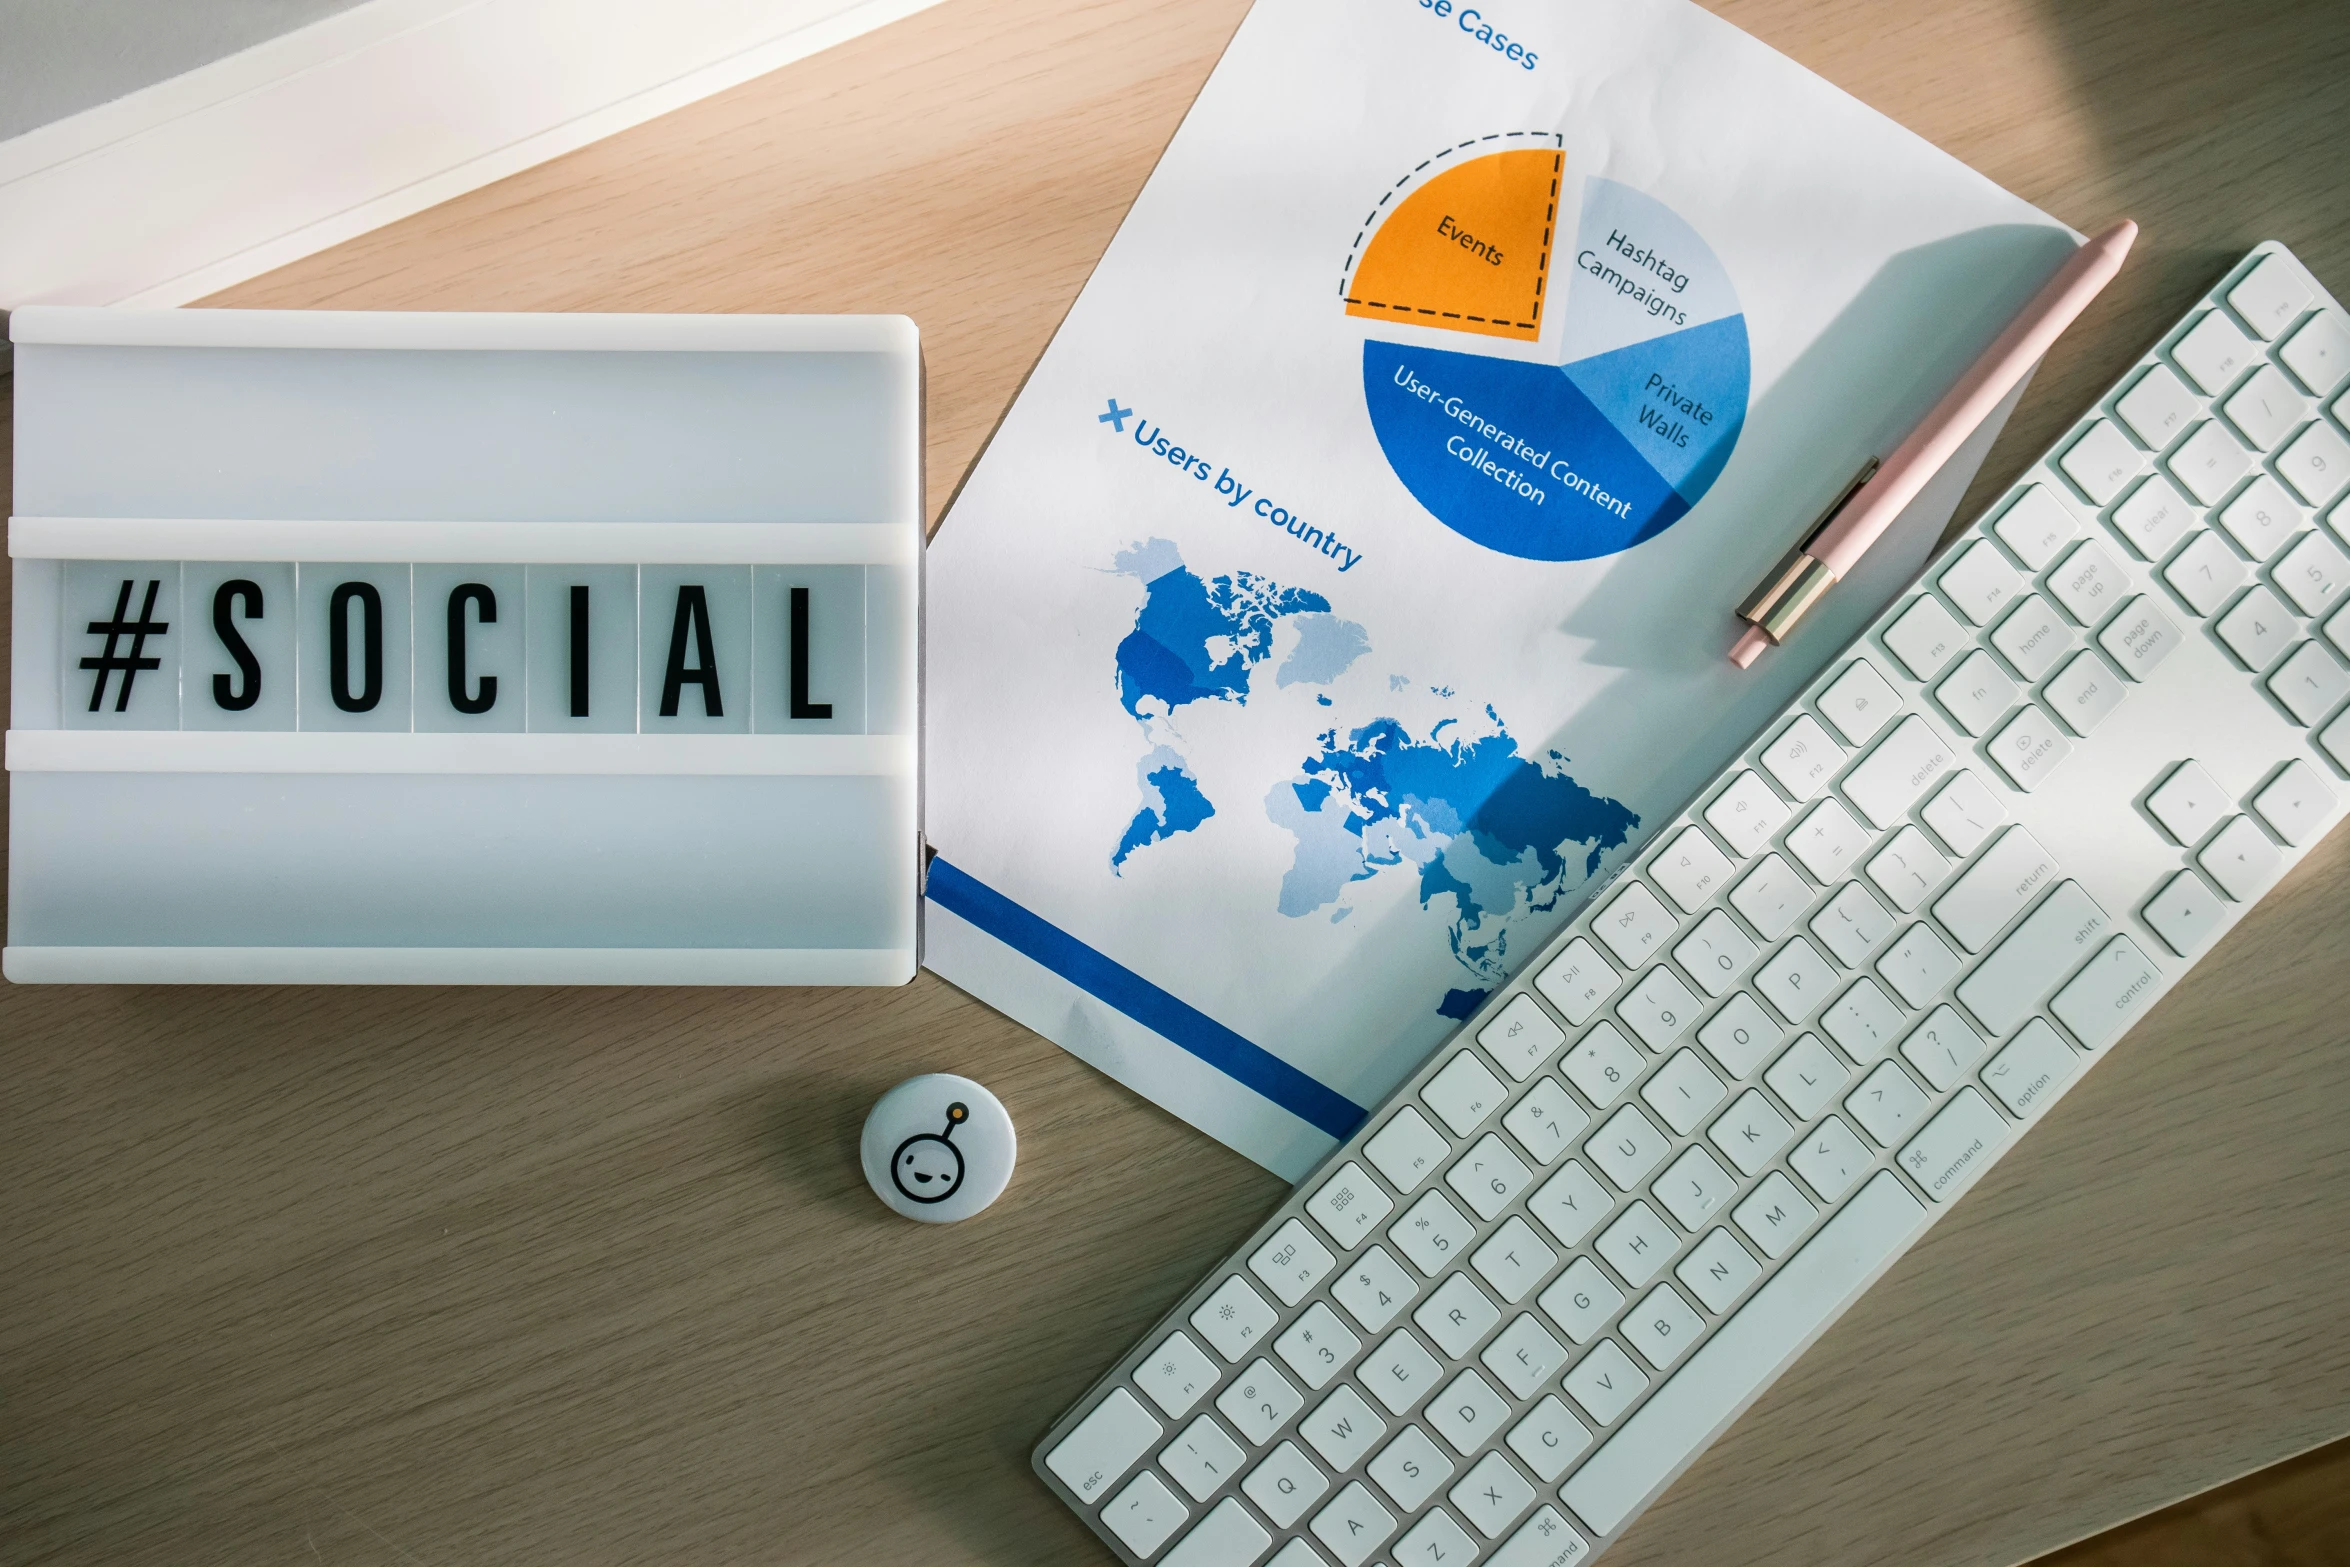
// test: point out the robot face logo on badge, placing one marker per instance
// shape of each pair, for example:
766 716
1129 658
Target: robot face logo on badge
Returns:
927 1166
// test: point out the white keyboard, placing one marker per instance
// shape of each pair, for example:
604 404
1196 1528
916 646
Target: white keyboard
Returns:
1539 1280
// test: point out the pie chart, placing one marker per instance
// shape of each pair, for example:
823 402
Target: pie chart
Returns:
1636 394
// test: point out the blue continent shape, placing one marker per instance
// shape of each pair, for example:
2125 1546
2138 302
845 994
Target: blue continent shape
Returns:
1167 657
1171 803
1480 821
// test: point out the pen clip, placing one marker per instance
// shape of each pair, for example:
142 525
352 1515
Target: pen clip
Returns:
1797 582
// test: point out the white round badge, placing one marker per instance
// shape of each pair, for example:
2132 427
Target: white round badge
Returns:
938 1148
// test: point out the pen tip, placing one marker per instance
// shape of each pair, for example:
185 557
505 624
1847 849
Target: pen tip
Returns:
1748 648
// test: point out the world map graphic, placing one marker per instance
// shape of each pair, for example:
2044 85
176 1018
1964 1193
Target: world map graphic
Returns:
1502 835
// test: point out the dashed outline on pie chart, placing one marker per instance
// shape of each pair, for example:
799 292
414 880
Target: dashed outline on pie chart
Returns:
1469 248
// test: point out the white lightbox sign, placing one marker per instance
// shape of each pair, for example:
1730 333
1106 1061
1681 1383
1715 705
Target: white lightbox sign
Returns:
464 648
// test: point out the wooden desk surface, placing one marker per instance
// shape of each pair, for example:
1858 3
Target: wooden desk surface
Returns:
583 1276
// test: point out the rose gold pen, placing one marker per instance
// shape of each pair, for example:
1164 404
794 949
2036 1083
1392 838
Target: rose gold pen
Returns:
1878 493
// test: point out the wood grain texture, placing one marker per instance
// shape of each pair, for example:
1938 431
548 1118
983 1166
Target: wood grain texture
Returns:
580 1276
2294 1515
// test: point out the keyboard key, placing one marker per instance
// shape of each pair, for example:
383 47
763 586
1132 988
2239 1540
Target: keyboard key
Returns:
2265 408
1431 1233
1342 1428
1521 1037
2262 518
1743 1354
1104 1445
1291 1263
1995 889
1917 965
1862 1021
1943 1048
1826 840
1633 924
1964 814
1803 758
1715 953
2295 804
2052 940
1926 637
1771 896
1683 1091
1636 1245
1463 1094
1490 1496
1201 1457
1690 869
1602 1065
1407 1150
1859 703
2313 573
1716 1270
1317 1345
1544 1120
2214 351
1398 1372
1907 869
1570 1203
1374 1288
1548 1439
1626 1147
1852 923
1977 693
2271 297
1889 780
1981 582
1742 1034
2241 860
2036 527
1283 1487
1522 1357
1746 814
2209 462
1662 1327
1659 1007
2189 803
2334 738
1489 1177
1436 1538
1543 1540
1775 1215
2159 408
1693 1186
1956 1146
2319 354
2084 692
1259 1402
1233 1318
1227 1534
1751 1132
1144 1514
2316 463
1176 1375
1467 1411
2029 747
1349 1204
2204 574
1581 1300
1808 1076
1831 1157
1796 980
2186 913
1353 1525
1578 982
2109 995
2257 628
2101 462
2309 683
1605 1382
2036 1063
2155 517
1886 1104
1410 1468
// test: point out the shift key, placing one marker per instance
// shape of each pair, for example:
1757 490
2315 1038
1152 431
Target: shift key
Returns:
2053 940
1995 889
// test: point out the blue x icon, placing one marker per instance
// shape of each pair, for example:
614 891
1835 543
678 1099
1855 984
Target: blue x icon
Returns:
1116 418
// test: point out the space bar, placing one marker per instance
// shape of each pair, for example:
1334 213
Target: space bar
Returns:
1745 1354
